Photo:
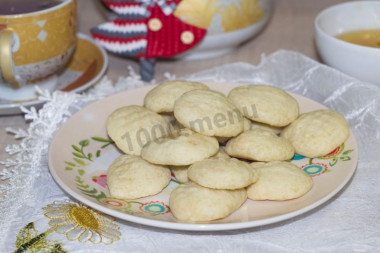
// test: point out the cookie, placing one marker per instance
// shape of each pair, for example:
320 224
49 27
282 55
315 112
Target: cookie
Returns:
222 140
279 181
317 133
180 172
130 177
222 173
178 125
131 127
209 113
258 125
247 125
192 202
162 97
221 154
185 149
260 145
265 104
169 117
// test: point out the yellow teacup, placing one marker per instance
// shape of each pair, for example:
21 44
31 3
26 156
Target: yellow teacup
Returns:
36 45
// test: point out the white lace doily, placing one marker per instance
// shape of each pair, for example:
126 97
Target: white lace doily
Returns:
350 222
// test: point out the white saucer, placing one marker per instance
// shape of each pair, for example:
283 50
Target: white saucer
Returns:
85 68
29 91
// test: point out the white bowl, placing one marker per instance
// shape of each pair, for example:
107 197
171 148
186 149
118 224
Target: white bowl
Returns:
214 45
358 61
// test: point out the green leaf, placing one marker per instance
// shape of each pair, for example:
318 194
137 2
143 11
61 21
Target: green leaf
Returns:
89 156
345 158
106 145
129 205
79 161
98 153
78 180
78 155
76 148
93 191
333 161
68 168
100 139
84 143
101 196
175 181
347 151
25 234
81 172
70 164
57 248
83 186
28 240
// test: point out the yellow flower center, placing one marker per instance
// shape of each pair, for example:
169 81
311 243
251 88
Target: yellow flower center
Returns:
84 217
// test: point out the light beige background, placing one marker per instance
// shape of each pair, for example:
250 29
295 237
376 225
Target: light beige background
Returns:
291 27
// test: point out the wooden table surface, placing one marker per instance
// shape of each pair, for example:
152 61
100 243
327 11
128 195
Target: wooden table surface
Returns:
291 27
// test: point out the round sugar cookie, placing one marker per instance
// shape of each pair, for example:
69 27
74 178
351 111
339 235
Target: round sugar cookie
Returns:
162 97
258 125
180 172
279 181
184 149
260 145
222 140
192 202
131 127
178 126
222 173
221 154
265 104
130 177
209 113
317 133
169 117
247 125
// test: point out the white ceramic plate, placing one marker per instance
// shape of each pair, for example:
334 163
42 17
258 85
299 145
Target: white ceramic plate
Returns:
86 67
80 154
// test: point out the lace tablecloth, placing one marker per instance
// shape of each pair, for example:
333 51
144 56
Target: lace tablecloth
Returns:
350 222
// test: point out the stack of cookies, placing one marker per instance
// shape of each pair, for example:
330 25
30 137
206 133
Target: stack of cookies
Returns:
223 149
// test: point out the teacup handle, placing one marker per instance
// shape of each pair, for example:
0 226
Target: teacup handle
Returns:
6 62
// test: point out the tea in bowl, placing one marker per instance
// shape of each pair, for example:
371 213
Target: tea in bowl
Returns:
37 38
348 38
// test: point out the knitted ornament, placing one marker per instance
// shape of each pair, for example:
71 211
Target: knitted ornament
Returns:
146 30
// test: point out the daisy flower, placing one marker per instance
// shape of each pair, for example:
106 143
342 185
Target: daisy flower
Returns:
81 223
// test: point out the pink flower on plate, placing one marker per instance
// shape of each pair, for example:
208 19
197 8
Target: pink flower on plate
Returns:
100 180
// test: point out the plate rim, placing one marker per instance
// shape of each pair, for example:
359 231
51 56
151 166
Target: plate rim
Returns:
200 227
